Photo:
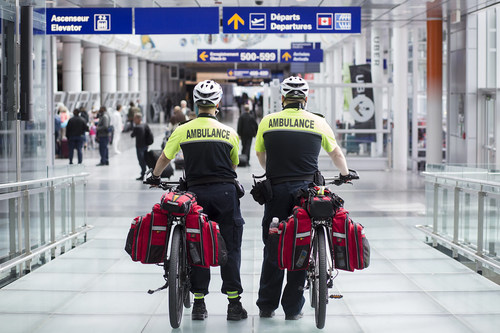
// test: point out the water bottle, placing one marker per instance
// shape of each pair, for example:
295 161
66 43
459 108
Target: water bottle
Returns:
273 227
272 241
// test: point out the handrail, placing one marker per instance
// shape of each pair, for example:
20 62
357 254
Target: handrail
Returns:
44 180
458 215
20 196
468 180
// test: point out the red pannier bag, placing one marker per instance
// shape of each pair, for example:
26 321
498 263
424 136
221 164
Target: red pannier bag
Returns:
205 244
351 249
147 238
177 203
294 244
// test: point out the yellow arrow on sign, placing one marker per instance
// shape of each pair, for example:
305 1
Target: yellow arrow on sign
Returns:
235 19
286 56
231 73
204 56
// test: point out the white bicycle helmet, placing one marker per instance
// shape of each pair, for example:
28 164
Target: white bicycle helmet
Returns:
207 93
294 87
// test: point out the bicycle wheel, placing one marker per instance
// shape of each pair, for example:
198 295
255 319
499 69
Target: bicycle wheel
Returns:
176 275
320 288
312 274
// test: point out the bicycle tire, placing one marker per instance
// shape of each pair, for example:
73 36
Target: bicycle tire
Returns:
312 274
320 288
176 288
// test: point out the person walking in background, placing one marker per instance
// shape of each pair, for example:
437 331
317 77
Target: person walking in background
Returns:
103 135
247 128
117 123
177 117
132 110
184 107
57 132
75 132
141 132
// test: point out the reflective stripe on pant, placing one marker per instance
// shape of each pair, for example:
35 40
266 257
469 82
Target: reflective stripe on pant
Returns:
271 279
220 202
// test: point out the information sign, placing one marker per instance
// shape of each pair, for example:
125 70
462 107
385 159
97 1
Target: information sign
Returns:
78 21
305 55
184 20
228 55
249 73
287 20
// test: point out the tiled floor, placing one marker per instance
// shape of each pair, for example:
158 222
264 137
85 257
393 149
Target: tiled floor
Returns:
409 286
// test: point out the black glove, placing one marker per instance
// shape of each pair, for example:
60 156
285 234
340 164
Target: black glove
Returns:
345 179
153 180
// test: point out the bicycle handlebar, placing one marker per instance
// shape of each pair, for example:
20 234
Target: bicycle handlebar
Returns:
340 179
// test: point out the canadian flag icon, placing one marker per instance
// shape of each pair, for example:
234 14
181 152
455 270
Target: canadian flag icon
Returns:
324 21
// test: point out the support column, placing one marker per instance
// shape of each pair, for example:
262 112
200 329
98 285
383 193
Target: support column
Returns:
133 79
72 64
158 73
122 72
143 83
434 130
360 48
151 87
92 69
400 105
377 68
108 72
164 79
337 79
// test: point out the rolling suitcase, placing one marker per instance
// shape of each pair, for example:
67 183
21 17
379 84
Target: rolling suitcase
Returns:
151 158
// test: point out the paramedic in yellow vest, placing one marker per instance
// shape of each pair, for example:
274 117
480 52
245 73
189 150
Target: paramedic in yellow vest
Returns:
210 151
288 144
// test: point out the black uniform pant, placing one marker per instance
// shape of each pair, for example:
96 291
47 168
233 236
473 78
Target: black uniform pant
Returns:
271 278
220 202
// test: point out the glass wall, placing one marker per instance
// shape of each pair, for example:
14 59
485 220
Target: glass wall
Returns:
23 147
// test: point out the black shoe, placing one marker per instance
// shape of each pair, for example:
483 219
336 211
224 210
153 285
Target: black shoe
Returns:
199 310
266 314
100 164
295 317
140 178
235 311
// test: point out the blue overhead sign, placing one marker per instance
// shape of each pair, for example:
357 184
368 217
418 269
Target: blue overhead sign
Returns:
249 73
228 55
186 20
305 55
305 45
78 21
287 20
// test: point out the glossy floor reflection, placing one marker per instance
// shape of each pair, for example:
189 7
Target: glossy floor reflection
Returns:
409 286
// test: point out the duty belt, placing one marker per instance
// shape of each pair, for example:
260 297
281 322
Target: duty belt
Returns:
279 180
210 180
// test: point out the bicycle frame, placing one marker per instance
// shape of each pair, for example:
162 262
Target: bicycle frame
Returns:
327 228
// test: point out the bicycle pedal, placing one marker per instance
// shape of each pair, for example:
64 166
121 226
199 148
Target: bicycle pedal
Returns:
336 296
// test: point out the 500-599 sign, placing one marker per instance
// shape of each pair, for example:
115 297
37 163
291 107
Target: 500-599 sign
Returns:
258 56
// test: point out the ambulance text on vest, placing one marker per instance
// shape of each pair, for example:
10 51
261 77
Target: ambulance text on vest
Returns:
207 133
280 122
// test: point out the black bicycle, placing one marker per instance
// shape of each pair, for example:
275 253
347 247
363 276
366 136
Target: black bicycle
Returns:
176 265
321 262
